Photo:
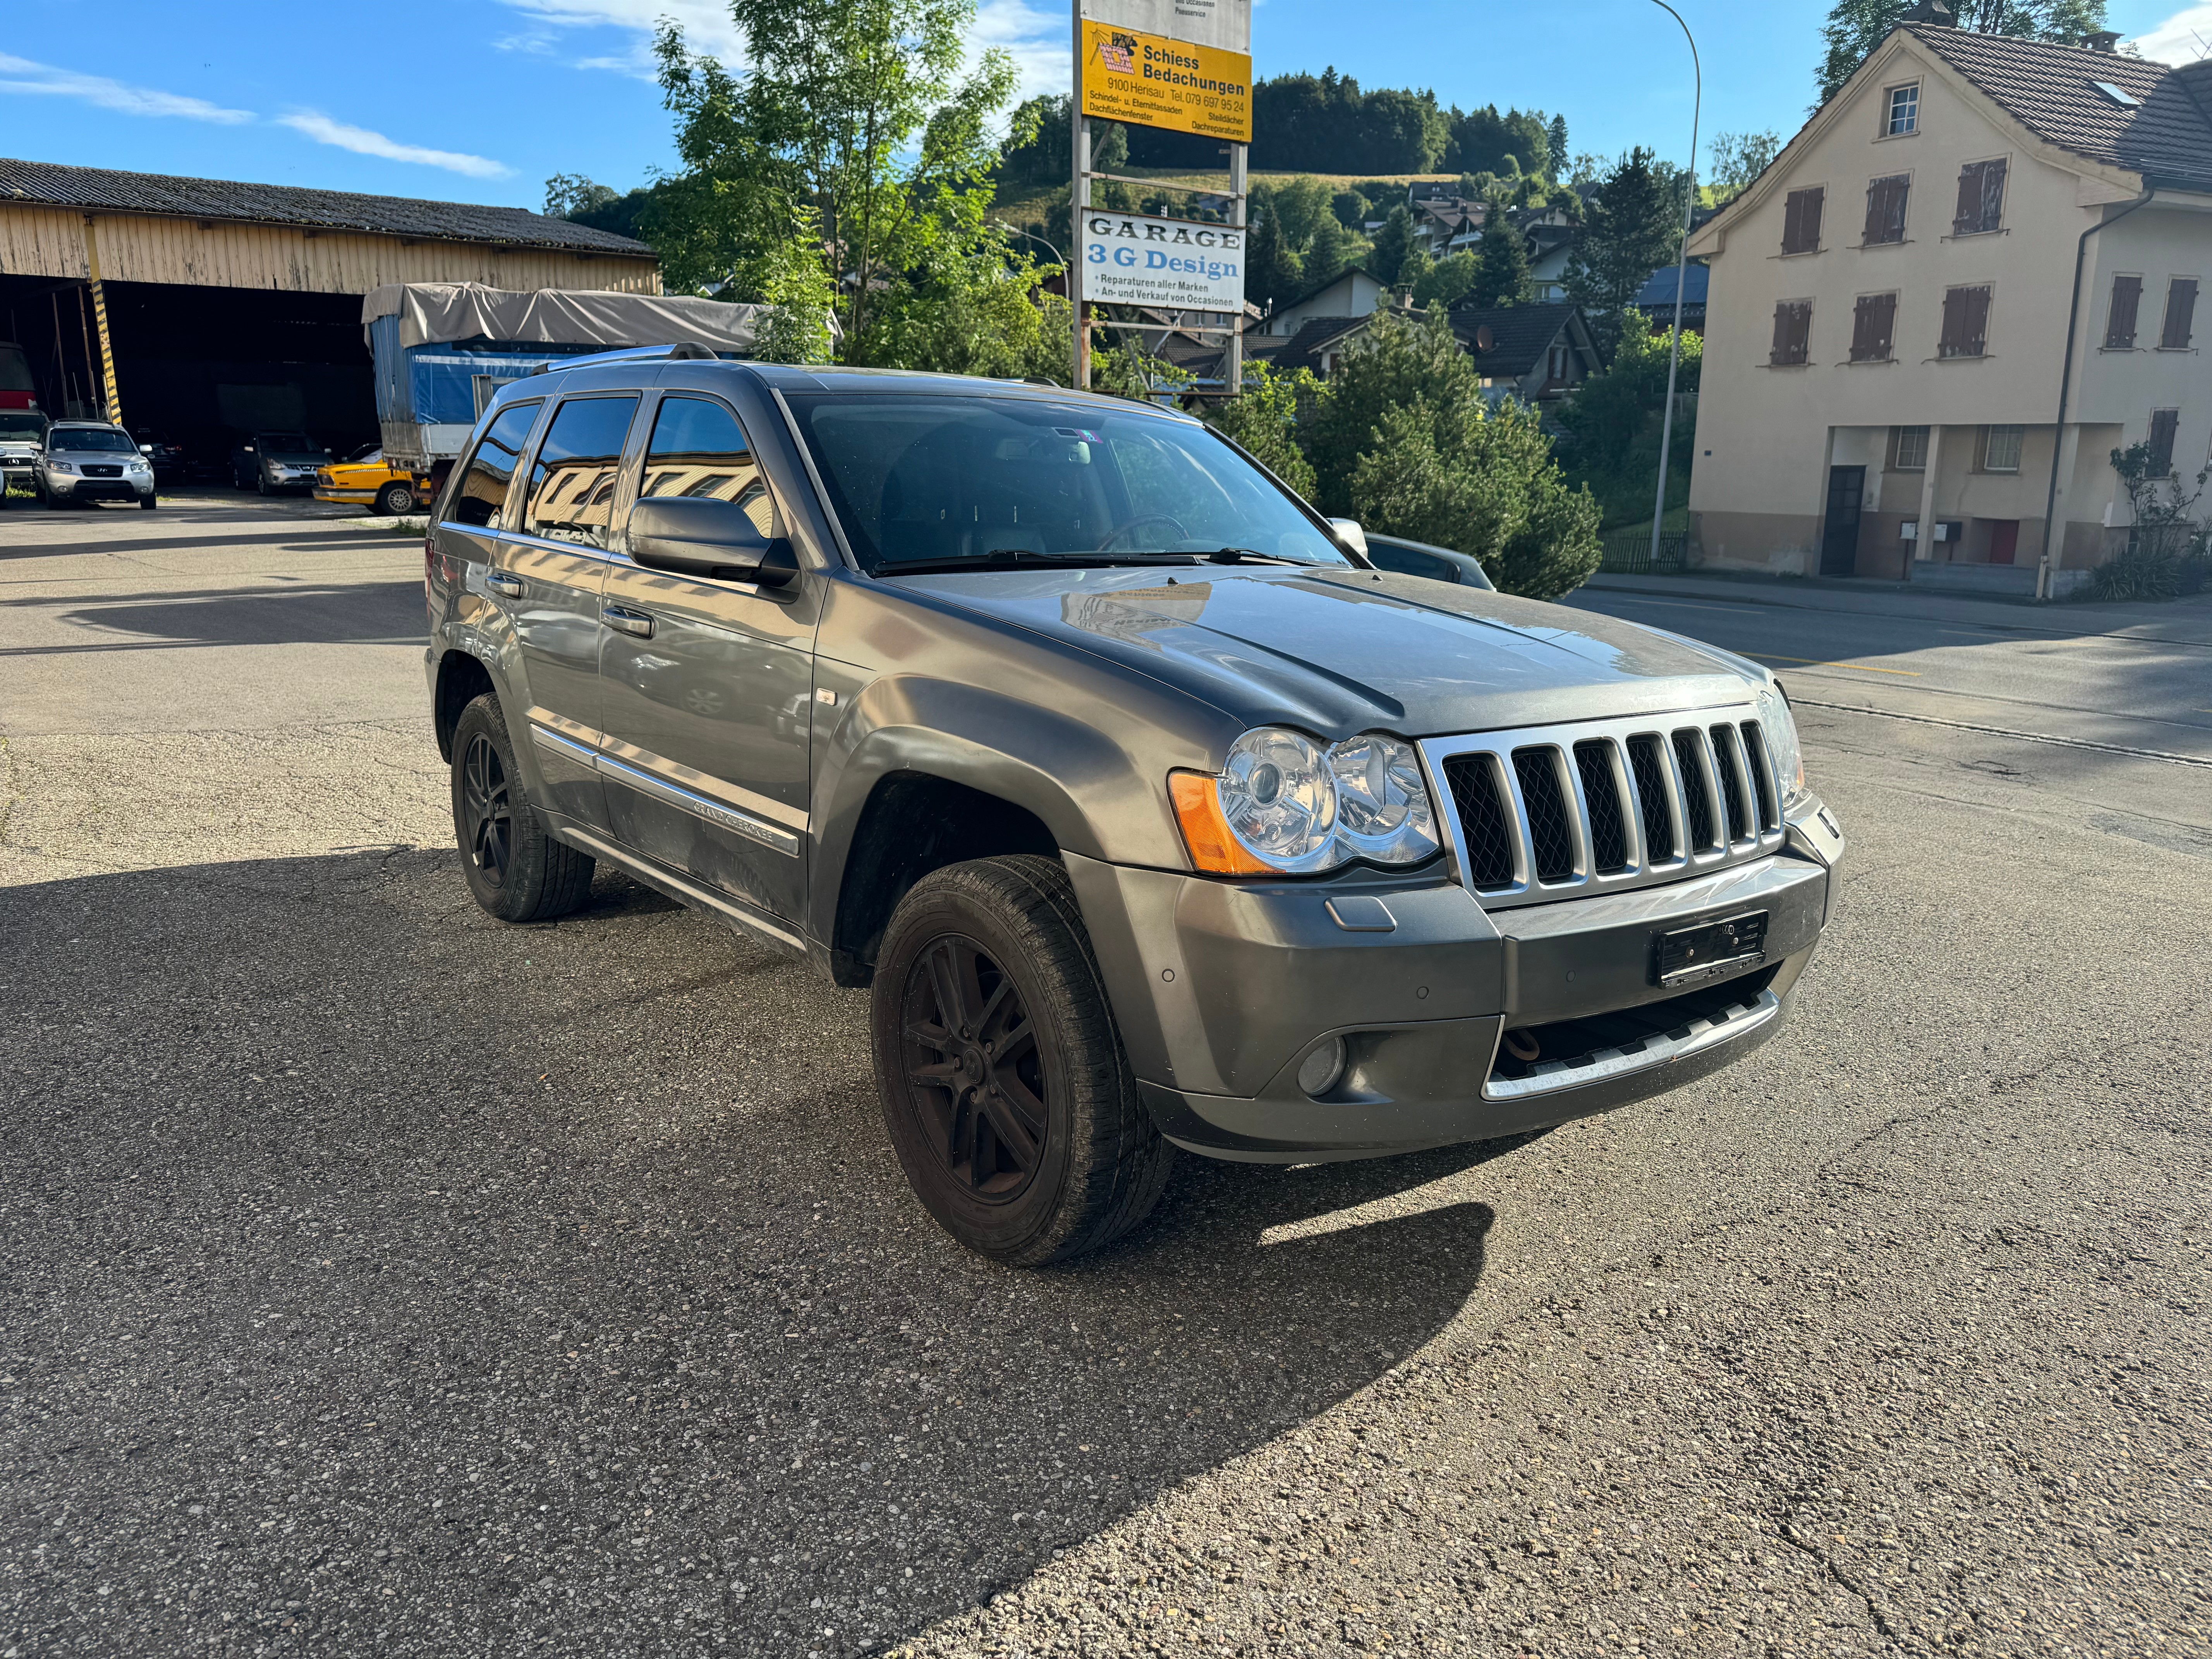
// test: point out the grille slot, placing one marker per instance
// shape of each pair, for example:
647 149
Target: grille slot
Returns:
1762 775
1486 821
1651 788
1697 799
1728 761
1608 831
1552 841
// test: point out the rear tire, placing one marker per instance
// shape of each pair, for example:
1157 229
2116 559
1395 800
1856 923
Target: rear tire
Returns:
395 499
1008 1096
515 870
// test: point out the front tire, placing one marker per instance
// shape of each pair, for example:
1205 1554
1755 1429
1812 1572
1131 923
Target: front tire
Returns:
515 870
1009 1098
149 502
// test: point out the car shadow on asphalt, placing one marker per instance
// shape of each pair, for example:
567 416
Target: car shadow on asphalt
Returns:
305 613
391 1272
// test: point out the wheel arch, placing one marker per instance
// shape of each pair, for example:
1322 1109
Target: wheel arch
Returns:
461 680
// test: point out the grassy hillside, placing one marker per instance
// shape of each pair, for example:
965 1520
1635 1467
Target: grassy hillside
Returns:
1031 206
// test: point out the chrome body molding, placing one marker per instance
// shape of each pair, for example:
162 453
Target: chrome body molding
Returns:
621 762
683 888
1737 1019
1718 803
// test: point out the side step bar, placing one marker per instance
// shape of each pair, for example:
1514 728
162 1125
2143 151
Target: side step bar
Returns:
743 917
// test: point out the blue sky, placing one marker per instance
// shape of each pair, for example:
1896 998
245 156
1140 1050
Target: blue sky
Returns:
481 100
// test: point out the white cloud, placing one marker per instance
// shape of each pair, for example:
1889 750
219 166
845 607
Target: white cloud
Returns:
706 24
2182 39
20 74
1039 41
362 142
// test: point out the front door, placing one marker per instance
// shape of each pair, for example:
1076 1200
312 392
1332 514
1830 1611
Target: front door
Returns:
707 686
2004 540
1839 543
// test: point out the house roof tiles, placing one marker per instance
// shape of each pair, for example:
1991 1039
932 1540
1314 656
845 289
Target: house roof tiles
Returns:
100 189
1519 336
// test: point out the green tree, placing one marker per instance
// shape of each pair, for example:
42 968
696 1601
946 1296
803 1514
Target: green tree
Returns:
1272 274
1350 207
1328 252
1630 229
1448 280
1556 160
858 110
1856 27
1264 418
1734 159
1300 205
1612 423
1503 278
567 194
1393 243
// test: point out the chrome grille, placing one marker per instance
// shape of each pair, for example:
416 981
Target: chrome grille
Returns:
1558 811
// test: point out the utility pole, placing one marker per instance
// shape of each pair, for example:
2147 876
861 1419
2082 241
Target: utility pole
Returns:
1681 273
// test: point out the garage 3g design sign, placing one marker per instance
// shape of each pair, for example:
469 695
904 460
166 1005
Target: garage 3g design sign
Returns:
1131 260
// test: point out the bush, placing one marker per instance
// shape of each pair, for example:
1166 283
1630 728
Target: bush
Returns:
2141 572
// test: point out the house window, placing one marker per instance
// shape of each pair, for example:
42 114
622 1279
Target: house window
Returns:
1793 332
1966 323
1556 370
2120 324
2000 448
1800 220
1912 448
1885 200
2180 314
1873 325
1904 111
1981 199
2163 424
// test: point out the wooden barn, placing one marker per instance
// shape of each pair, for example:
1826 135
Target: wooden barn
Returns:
203 308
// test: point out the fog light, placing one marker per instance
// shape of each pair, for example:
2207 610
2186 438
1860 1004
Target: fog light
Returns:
1319 1071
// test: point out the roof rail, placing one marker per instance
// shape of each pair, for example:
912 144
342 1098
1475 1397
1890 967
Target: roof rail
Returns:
681 351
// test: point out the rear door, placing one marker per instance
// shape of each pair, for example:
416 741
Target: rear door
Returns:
706 684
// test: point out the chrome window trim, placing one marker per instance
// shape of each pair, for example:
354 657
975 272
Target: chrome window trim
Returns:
1602 1065
1721 852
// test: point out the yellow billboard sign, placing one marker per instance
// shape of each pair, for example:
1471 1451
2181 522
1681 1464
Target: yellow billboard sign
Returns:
1151 81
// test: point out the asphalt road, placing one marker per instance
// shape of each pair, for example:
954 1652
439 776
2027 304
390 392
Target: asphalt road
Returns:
375 1279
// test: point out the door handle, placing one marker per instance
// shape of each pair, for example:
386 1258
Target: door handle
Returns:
499 582
631 622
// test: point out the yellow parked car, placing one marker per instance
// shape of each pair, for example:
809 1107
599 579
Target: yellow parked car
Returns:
367 478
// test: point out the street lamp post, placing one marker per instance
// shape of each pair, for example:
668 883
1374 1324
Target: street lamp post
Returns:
1681 272
1034 237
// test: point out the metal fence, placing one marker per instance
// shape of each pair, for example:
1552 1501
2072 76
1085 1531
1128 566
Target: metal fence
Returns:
1628 553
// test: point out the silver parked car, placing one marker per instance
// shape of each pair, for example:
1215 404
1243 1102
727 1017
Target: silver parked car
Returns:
22 435
82 462
1153 813
273 461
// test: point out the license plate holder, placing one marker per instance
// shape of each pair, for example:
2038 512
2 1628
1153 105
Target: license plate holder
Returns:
1687 955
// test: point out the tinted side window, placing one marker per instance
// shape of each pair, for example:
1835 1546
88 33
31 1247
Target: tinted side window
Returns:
572 483
699 449
483 486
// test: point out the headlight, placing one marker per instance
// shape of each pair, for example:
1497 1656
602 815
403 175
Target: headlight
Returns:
1780 732
69 467
1282 806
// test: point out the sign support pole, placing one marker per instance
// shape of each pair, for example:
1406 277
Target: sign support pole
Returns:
111 404
1079 198
1239 155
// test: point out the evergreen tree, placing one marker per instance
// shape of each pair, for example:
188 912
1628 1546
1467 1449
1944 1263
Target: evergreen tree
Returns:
1264 418
1503 278
1393 243
1555 149
1328 252
1449 280
1271 276
1856 27
1630 229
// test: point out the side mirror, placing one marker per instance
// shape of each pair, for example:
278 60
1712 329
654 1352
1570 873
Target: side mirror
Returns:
249 449
1350 534
699 536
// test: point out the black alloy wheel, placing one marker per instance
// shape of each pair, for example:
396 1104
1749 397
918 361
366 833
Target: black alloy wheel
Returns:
487 811
977 1074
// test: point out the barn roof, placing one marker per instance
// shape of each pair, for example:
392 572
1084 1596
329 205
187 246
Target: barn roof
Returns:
102 189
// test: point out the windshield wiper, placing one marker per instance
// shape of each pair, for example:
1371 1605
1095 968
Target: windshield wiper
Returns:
1247 554
1017 558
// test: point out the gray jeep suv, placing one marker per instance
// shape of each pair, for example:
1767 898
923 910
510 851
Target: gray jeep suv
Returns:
1153 814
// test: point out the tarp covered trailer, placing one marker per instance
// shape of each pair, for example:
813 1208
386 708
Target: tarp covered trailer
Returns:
442 350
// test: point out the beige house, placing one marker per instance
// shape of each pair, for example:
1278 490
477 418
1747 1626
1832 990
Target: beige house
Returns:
1891 304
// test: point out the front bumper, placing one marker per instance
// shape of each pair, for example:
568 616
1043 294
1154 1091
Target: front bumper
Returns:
99 490
1222 989
330 493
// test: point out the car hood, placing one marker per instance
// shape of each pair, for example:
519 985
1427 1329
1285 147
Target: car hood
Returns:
1339 652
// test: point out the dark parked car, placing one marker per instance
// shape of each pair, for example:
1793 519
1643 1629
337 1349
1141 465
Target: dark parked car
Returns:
163 454
1151 812
274 462
1438 564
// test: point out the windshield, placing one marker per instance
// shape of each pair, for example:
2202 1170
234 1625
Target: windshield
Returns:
289 443
923 480
19 424
366 454
91 437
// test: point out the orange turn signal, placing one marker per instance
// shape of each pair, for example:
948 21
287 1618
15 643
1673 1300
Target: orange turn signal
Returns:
1214 849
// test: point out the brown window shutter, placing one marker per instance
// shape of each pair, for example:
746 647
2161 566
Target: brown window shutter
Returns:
1967 217
1793 331
2163 424
1966 323
1993 187
2120 327
2180 314
1872 324
1947 345
1886 202
1800 221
